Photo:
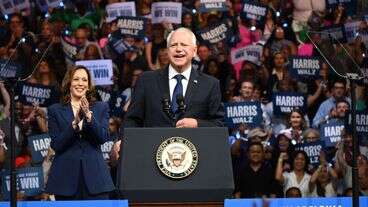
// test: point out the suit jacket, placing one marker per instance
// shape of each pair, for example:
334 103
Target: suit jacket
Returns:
202 99
78 153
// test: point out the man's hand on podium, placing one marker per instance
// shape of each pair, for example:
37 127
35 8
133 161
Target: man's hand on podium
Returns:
187 123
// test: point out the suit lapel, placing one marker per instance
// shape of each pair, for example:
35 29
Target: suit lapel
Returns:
192 85
163 82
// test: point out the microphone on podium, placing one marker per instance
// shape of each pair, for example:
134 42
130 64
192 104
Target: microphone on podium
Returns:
181 103
166 106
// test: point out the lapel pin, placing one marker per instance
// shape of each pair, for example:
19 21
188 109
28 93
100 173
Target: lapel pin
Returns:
195 81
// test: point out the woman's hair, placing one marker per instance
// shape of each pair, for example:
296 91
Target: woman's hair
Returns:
65 86
160 65
295 154
96 52
300 112
206 67
51 74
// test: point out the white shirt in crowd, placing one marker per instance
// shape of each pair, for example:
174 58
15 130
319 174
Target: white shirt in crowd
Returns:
291 181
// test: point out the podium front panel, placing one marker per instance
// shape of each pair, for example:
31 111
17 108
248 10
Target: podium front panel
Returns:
140 179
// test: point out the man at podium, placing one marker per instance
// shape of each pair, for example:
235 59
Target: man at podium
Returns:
177 96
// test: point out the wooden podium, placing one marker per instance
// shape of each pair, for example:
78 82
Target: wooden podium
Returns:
143 182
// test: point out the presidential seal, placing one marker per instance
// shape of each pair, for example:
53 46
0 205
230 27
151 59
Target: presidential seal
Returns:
177 157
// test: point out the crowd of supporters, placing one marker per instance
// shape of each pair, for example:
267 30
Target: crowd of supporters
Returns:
267 161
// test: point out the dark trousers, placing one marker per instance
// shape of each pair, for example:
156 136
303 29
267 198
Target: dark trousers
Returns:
83 193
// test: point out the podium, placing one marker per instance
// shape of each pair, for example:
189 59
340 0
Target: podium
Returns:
142 179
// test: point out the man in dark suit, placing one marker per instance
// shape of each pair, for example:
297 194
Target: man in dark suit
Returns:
177 95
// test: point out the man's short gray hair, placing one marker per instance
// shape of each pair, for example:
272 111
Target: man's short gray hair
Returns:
183 29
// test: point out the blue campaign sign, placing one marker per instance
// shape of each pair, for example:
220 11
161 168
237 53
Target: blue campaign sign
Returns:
9 69
117 43
215 33
132 26
331 132
362 125
313 150
249 113
39 144
304 68
350 5
115 99
106 148
117 102
29 181
296 202
212 5
254 10
86 203
284 102
70 49
30 93
104 93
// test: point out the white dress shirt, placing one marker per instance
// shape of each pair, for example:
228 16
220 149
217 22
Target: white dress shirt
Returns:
173 81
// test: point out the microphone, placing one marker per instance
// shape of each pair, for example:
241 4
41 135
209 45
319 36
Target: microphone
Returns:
181 103
166 105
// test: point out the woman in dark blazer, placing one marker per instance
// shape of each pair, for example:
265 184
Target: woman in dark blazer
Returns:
77 127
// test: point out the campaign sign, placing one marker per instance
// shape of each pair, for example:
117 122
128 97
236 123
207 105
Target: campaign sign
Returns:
29 181
251 53
284 102
31 93
254 10
45 4
304 68
350 5
331 132
249 113
364 71
11 6
215 33
117 103
352 30
212 5
101 70
132 26
117 43
106 148
103 93
115 10
70 50
9 69
312 149
362 125
39 144
115 99
166 12
335 33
